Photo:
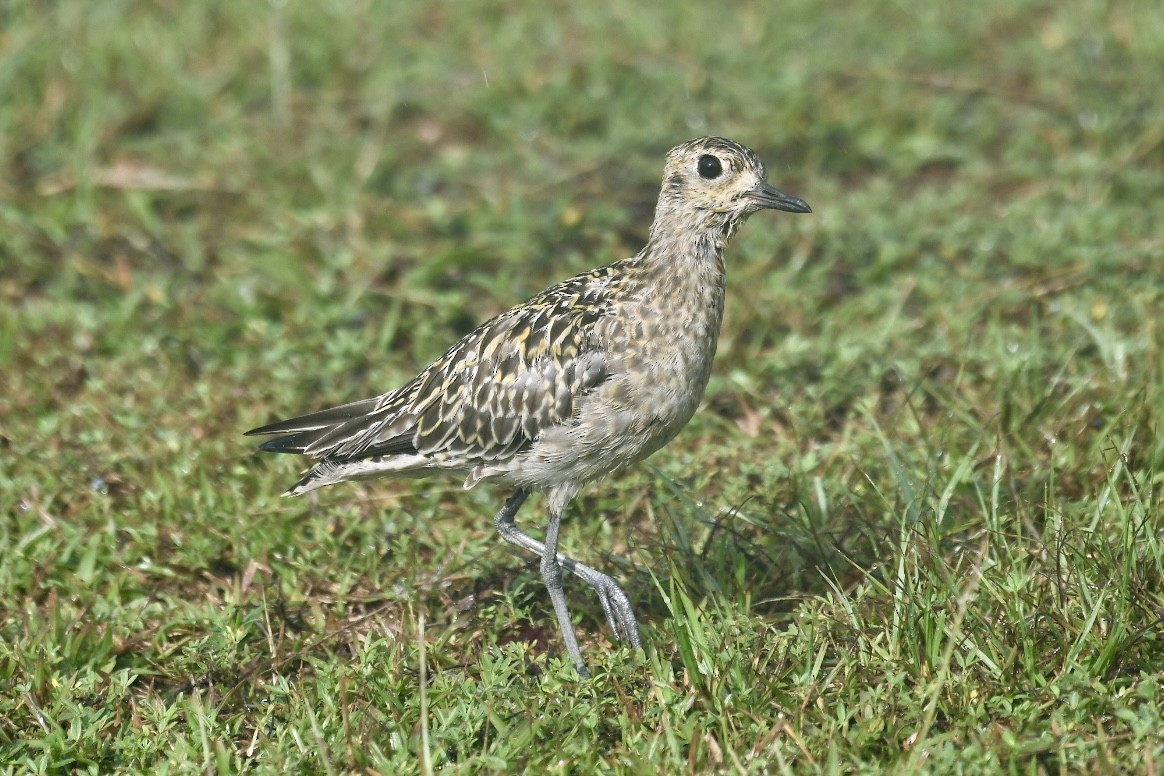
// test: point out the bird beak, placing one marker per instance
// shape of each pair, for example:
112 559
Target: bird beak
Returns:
766 196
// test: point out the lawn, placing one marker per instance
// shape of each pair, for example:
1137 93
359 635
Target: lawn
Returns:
915 526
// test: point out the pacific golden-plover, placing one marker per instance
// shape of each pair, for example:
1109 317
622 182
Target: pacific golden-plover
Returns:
582 380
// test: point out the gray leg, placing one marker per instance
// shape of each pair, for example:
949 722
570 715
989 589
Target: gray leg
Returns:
552 576
614 602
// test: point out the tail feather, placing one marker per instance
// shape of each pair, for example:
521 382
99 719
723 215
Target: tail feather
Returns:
321 474
322 433
301 433
333 416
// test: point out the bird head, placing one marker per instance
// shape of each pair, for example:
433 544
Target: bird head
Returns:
718 181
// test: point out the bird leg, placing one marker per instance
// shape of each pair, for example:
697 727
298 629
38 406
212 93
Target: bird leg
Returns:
615 603
552 576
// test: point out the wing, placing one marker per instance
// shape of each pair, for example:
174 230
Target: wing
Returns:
487 398
304 431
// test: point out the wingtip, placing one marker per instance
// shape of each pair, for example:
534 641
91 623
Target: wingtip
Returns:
283 444
269 428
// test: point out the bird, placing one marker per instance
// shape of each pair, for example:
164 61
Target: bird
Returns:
582 380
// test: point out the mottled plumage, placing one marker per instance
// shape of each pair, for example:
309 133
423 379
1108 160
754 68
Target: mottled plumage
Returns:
584 379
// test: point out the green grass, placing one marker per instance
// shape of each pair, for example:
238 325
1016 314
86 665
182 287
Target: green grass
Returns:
916 525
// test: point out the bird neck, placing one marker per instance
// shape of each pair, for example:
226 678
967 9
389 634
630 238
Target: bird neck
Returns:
689 246
682 267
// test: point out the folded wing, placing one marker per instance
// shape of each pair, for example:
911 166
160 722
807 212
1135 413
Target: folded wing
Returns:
485 400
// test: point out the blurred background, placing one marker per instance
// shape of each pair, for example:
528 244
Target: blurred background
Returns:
215 214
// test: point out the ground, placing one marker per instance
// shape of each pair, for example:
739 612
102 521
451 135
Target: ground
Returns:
915 525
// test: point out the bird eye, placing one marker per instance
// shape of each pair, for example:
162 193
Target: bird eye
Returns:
709 166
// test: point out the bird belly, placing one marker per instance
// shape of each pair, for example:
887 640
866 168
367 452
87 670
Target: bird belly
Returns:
625 420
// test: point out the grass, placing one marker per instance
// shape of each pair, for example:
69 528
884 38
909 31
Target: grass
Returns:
915 527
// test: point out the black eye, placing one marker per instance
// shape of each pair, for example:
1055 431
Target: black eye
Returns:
709 167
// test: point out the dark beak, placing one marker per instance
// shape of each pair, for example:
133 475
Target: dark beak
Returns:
766 196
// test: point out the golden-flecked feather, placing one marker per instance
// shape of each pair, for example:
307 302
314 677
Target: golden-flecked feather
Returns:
488 397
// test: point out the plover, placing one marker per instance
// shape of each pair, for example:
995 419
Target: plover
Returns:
582 380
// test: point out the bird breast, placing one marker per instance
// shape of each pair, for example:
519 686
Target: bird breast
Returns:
669 357
658 343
